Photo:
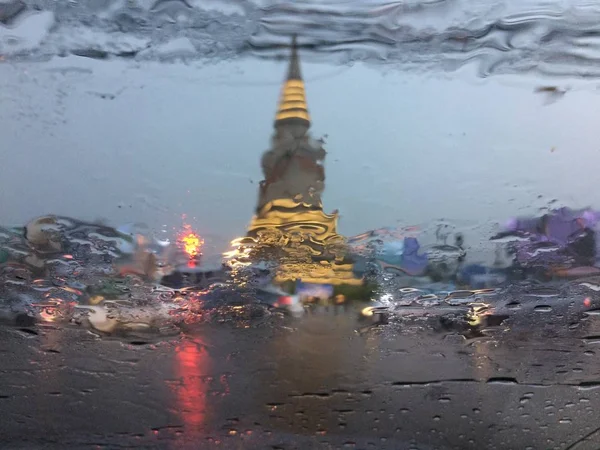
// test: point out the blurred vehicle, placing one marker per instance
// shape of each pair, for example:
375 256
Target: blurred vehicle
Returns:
194 277
444 261
374 314
393 252
277 298
478 276
119 316
471 318
559 243
402 257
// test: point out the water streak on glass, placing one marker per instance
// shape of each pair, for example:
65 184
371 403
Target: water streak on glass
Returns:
558 38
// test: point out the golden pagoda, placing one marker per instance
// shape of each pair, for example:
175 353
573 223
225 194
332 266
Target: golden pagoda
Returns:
289 218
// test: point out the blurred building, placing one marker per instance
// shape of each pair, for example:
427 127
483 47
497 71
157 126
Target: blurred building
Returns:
289 222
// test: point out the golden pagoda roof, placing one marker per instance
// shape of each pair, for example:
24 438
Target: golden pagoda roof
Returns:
292 102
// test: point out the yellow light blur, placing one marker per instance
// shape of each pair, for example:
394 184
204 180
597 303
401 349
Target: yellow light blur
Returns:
367 312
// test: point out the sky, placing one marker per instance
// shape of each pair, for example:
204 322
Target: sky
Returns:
148 142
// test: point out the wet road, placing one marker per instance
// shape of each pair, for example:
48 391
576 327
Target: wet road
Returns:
320 382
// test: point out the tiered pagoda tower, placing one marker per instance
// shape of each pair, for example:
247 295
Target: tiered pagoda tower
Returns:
289 214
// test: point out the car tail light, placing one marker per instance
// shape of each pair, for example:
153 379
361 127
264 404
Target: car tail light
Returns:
284 300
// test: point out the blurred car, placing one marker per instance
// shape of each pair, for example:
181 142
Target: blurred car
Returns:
194 277
444 261
277 298
374 313
478 276
561 242
382 251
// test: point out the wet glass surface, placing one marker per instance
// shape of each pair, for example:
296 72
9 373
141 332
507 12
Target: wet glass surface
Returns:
299 225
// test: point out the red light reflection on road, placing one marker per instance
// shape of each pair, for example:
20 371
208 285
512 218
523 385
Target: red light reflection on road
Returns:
191 372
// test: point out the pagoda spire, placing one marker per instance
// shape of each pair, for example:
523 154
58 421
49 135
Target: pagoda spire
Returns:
292 102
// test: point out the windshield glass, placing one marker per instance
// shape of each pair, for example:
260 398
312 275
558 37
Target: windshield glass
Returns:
258 224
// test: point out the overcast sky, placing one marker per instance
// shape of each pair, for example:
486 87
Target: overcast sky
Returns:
149 142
